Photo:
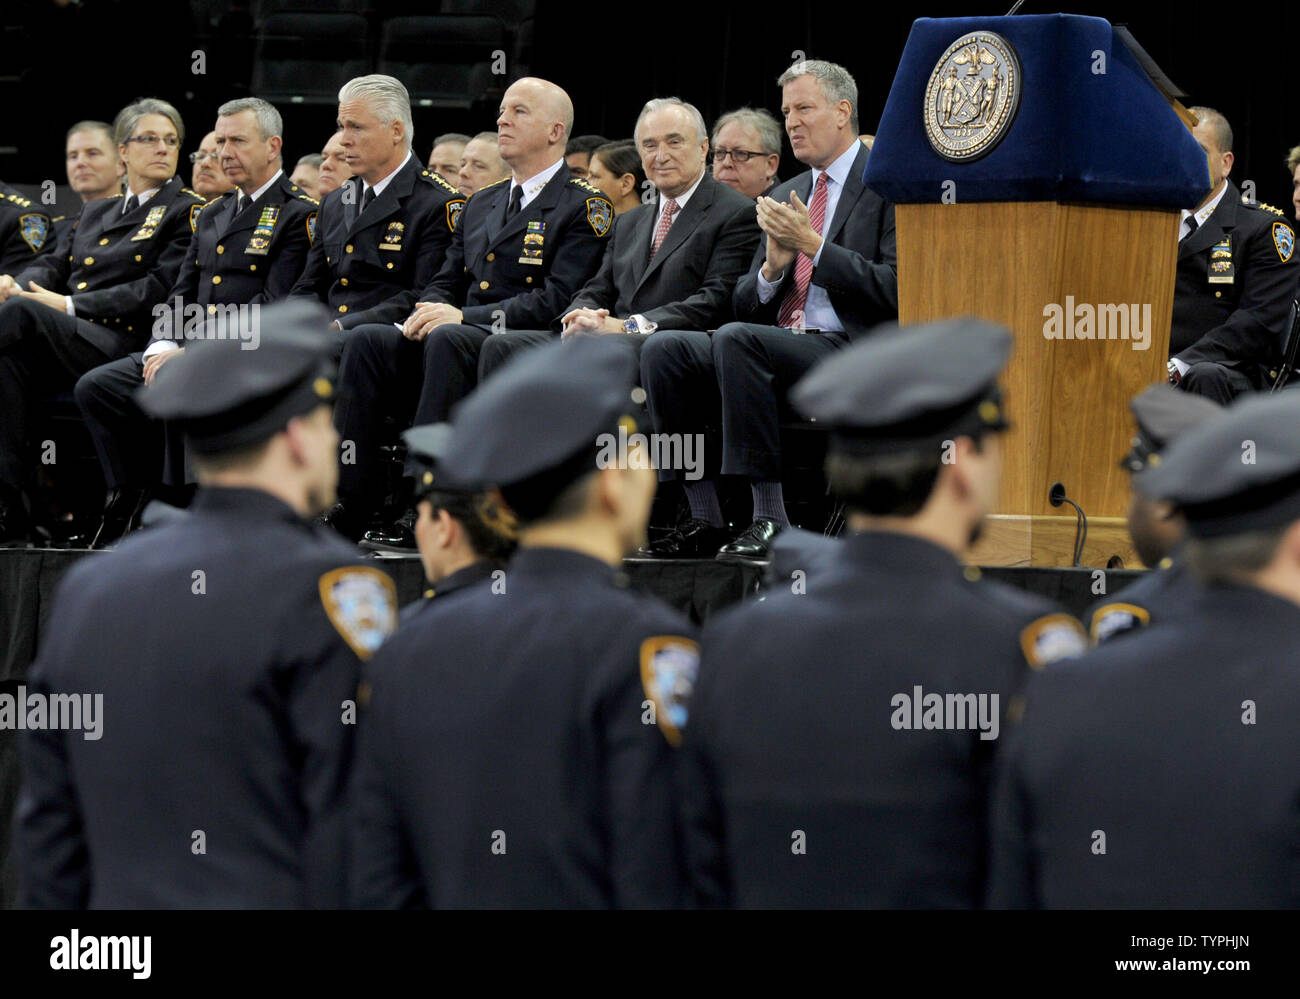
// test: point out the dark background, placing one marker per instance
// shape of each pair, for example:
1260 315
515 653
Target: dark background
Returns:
61 62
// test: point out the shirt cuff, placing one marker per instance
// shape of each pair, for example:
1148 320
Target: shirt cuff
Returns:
1182 366
766 288
68 307
159 347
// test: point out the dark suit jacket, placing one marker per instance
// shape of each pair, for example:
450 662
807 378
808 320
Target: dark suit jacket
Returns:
1240 323
367 267
119 266
483 272
859 264
230 252
689 282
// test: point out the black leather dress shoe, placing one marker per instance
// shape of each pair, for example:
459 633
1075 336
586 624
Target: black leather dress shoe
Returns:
754 543
121 515
695 538
346 519
398 536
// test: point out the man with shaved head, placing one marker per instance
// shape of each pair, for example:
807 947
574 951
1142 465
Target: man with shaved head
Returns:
521 250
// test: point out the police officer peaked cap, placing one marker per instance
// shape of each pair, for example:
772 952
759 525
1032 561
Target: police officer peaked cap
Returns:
544 412
908 388
1235 473
426 446
1163 414
243 385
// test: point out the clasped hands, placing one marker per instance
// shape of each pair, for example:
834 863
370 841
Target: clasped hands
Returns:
789 232
9 288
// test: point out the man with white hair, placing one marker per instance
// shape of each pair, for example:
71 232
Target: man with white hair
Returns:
249 247
522 250
383 234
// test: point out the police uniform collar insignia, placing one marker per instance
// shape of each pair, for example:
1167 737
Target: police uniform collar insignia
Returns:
534 241
669 666
1283 240
34 229
600 215
151 221
361 604
393 236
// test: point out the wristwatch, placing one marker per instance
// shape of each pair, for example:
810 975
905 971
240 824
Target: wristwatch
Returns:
639 324
1174 375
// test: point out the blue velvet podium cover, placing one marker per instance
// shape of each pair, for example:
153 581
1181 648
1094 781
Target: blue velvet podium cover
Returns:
1079 135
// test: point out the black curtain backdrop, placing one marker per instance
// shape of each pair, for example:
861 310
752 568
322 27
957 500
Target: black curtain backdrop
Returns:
86 60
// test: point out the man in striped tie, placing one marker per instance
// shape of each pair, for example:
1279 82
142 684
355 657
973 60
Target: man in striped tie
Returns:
825 272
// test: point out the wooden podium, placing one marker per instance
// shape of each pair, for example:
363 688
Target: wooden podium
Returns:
1066 219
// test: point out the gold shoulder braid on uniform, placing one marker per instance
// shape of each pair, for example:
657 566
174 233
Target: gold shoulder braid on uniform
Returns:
195 194
18 200
309 199
1267 207
503 180
437 180
585 185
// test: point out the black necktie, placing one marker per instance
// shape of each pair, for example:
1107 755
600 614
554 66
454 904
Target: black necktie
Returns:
1191 221
367 198
516 202
132 203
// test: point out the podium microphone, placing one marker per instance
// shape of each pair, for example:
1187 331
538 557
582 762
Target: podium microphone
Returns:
1056 496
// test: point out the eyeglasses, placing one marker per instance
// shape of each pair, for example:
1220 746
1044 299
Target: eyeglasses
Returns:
200 157
739 155
170 141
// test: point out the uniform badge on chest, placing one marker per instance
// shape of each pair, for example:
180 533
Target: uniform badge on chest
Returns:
260 242
393 236
150 223
534 243
1221 271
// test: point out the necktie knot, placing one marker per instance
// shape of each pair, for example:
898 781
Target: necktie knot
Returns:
132 203
516 202
367 198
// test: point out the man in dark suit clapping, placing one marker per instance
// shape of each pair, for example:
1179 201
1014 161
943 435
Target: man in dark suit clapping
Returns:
826 272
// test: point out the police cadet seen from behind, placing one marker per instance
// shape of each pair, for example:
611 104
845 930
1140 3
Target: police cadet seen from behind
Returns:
826 263
862 780
464 533
227 649
67 313
383 234
518 747
1159 770
670 263
1237 277
248 249
521 251
1163 414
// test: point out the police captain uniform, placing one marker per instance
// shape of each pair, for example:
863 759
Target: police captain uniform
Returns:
811 776
1162 415
25 231
245 251
519 255
124 257
1237 277
1159 770
227 649
519 741
373 251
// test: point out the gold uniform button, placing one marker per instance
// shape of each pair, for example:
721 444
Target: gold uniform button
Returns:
348 248
138 258
1218 294
212 310
483 285
252 267
221 249
343 281
104 241
130 329
343 308
491 257
529 279
216 279
88 261
390 265
80 285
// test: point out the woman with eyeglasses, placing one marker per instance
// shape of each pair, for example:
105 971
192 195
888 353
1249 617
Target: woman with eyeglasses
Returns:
65 314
